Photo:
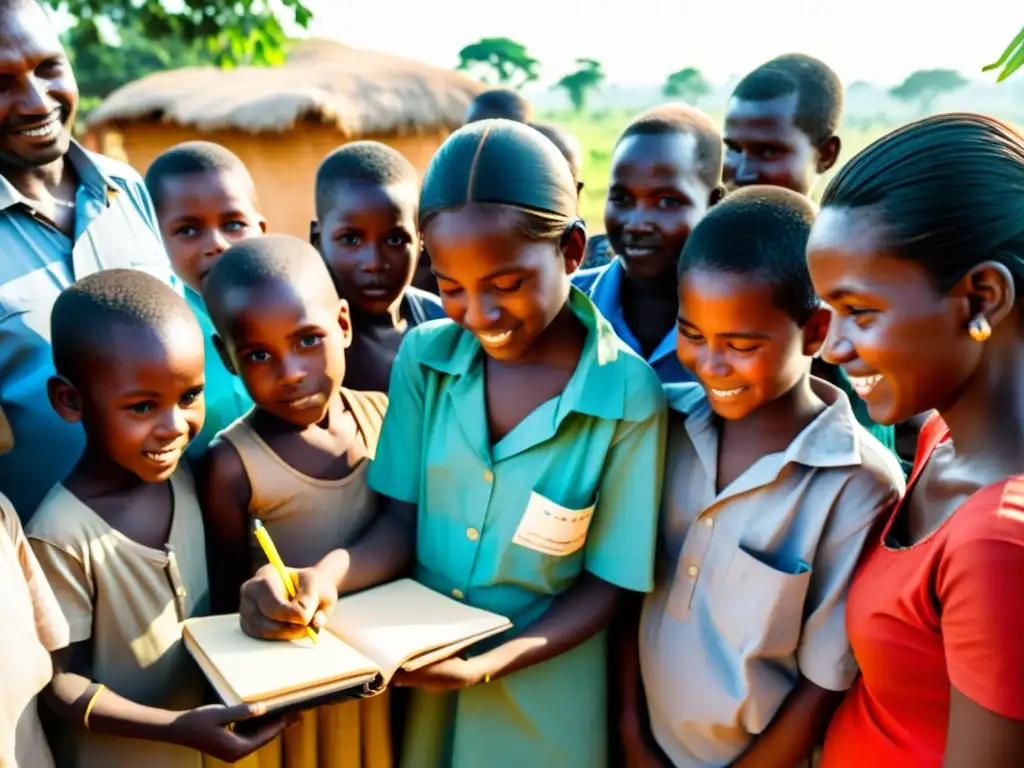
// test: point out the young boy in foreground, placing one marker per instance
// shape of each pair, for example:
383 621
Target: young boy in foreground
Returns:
120 540
771 490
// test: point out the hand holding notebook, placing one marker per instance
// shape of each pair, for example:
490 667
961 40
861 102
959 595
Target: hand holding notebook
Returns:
367 639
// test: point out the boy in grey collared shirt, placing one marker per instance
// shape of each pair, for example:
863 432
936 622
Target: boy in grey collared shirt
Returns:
771 490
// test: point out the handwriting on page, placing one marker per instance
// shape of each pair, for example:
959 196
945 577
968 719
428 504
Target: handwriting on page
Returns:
552 529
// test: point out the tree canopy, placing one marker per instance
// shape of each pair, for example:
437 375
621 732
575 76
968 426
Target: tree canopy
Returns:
925 85
688 84
103 64
231 31
578 85
499 60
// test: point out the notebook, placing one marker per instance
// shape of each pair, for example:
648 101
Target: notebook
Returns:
368 638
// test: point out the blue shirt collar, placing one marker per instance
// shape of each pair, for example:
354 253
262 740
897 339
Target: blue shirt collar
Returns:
92 180
606 294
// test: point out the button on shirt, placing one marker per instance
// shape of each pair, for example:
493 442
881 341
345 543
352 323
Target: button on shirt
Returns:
752 581
115 226
596 448
604 287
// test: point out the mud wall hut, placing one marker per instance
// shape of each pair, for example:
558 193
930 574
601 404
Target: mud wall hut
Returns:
282 121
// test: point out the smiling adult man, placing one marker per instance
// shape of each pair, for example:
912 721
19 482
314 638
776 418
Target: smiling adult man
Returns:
64 213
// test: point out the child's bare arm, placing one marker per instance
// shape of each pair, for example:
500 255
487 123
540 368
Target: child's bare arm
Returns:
640 749
632 703
796 728
382 554
225 493
205 729
574 617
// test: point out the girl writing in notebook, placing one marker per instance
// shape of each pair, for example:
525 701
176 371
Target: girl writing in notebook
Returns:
298 461
522 456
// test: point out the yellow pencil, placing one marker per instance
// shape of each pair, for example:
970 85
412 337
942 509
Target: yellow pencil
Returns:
275 560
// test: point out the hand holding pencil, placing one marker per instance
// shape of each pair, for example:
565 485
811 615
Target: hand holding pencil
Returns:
262 612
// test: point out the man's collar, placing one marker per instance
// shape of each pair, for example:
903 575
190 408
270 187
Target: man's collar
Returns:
90 177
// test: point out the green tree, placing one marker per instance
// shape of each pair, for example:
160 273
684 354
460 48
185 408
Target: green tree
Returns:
232 31
925 85
104 60
687 84
500 60
1011 60
578 85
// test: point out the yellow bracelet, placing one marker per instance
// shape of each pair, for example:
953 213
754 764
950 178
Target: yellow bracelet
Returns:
91 704
487 678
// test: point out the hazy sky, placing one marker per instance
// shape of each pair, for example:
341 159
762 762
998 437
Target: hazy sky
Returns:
641 41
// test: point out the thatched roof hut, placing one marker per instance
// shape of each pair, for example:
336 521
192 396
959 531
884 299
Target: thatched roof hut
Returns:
282 121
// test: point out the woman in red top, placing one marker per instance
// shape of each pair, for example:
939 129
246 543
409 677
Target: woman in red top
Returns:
919 249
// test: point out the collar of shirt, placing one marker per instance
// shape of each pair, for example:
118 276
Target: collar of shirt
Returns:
606 293
597 387
94 183
831 440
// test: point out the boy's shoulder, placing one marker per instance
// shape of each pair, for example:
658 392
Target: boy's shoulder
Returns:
878 464
61 520
864 477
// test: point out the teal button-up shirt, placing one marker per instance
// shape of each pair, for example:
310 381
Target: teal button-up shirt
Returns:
115 226
599 445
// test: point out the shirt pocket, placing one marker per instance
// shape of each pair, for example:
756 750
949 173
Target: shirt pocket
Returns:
551 529
545 549
759 608
33 292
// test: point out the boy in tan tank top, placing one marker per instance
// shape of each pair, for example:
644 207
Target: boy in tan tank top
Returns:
121 539
298 460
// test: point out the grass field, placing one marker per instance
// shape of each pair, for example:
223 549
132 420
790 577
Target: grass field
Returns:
597 132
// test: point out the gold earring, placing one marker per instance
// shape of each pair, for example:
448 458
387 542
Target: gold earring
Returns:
979 329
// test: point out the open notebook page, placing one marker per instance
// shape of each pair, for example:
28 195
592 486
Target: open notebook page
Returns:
260 669
403 620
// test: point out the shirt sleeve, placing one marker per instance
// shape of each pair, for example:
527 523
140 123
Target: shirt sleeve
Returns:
51 626
982 604
824 655
71 586
621 542
396 469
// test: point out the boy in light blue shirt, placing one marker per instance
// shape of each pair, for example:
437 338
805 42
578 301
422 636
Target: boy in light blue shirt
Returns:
205 202
772 488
